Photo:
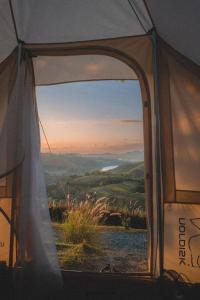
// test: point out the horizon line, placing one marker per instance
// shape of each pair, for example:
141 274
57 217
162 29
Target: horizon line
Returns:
89 153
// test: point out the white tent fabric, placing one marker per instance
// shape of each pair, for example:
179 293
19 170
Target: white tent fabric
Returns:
186 126
8 39
60 69
20 138
69 21
52 21
182 239
177 22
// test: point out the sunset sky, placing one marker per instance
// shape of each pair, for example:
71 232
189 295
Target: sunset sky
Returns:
91 117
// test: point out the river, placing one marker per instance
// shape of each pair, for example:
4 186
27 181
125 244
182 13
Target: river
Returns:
105 169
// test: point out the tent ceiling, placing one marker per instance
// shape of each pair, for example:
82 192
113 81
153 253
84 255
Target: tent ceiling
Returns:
56 21
7 34
60 69
177 22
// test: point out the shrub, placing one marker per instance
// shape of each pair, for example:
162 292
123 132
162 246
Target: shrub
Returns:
58 210
82 219
113 219
137 218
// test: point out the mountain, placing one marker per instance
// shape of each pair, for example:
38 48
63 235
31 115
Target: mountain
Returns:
74 164
133 156
78 164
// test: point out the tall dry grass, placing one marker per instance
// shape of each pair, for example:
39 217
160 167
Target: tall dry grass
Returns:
82 219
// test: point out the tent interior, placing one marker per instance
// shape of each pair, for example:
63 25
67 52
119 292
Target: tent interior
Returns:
50 42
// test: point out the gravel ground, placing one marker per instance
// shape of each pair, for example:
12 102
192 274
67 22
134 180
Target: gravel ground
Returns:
125 251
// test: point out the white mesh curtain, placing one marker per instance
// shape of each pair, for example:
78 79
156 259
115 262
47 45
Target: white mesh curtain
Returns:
33 243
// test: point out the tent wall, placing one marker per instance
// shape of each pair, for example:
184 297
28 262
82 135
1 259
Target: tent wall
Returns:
179 94
179 87
7 238
182 240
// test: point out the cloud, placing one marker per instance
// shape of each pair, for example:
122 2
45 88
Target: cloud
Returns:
131 122
95 147
82 122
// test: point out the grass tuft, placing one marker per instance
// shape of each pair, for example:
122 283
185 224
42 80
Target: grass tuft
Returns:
81 221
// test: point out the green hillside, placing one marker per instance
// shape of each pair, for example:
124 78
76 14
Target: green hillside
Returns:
123 186
136 170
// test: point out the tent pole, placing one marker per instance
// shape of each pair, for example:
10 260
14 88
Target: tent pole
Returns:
14 21
159 198
12 223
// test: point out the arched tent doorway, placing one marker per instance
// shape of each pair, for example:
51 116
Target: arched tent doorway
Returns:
91 67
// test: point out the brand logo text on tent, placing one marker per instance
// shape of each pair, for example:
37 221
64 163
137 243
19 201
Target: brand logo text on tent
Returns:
182 241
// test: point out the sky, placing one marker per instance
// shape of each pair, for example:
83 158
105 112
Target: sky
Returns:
91 117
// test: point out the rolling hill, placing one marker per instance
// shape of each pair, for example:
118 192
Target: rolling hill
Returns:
123 186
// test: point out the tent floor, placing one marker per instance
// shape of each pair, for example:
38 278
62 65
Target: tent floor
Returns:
94 286
89 286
